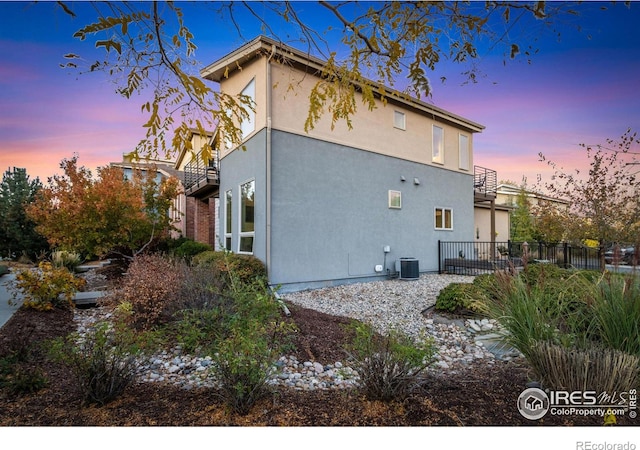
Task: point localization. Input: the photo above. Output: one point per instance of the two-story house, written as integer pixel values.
(331, 206)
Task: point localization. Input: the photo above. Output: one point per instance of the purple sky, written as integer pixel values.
(576, 90)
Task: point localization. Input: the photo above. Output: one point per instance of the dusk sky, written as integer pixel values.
(576, 90)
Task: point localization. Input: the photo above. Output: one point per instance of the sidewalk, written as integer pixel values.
(6, 310)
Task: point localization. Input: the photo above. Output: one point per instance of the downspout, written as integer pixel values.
(268, 161)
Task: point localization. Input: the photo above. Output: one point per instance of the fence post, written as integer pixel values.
(439, 257)
(566, 259)
(509, 249)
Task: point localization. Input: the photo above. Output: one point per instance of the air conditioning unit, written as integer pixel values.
(408, 268)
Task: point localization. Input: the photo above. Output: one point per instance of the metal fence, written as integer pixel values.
(477, 257)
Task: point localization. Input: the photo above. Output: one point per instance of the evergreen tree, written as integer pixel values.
(522, 227)
(17, 231)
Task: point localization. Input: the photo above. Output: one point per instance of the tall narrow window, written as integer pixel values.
(399, 120)
(464, 152)
(228, 219)
(444, 219)
(438, 145)
(247, 222)
(248, 124)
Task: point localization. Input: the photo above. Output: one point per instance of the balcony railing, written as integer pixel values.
(199, 177)
(485, 182)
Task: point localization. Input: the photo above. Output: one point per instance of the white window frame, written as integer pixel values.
(395, 195)
(246, 234)
(399, 120)
(464, 154)
(228, 219)
(443, 212)
(248, 125)
(437, 145)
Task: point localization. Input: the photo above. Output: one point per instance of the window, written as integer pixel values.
(463, 148)
(438, 145)
(444, 219)
(395, 199)
(228, 219)
(247, 223)
(248, 124)
(399, 120)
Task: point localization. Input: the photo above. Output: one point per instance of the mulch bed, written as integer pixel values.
(481, 396)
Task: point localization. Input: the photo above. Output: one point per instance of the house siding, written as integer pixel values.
(330, 210)
(238, 167)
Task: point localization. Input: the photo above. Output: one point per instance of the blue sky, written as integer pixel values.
(576, 90)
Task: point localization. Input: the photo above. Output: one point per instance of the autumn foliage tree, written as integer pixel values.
(604, 201)
(112, 212)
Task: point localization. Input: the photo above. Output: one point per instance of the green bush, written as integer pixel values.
(459, 298)
(232, 268)
(103, 361)
(390, 366)
(569, 327)
(188, 249)
(254, 337)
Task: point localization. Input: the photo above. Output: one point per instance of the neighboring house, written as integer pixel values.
(333, 206)
(507, 194)
(201, 183)
(163, 169)
(482, 220)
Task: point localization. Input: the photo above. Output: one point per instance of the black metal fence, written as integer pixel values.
(476, 257)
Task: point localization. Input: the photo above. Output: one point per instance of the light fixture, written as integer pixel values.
(416, 181)
(403, 179)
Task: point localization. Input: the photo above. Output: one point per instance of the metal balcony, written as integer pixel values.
(485, 184)
(202, 180)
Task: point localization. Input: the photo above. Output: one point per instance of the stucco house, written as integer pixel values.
(332, 206)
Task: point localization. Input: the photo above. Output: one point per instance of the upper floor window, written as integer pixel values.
(463, 149)
(248, 124)
(395, 199)
(399, 120)
(438, 145)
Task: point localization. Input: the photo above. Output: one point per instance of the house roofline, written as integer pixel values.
(233, 61)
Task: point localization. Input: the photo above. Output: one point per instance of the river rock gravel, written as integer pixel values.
(390, 304)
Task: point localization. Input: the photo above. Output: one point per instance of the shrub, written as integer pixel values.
(17, 373)
(42, 288)
(244, 361)
(188, 249)
(572, 369)
(68, 260)
(575, 333)
(103, 361)
(616, 313)
(458, 298)
(233, 268)
(390, 366)
(254, 338)
(152, 287)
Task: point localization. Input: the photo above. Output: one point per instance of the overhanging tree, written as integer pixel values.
(149, 46)
(109, 213)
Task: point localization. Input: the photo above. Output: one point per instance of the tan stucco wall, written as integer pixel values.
(236, 83)
(373, 130)
(482, 221)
